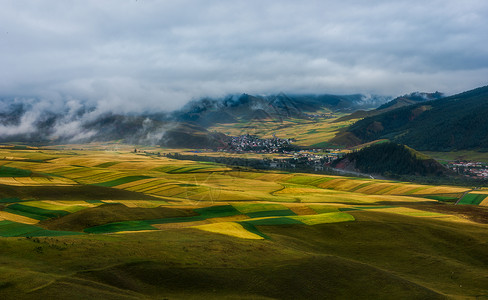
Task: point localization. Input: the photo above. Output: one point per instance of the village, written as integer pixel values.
(477, 170)
(251, 143)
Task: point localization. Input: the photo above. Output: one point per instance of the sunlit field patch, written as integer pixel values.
(246, 208)
(377, 188)
(407, 211)
(299, 190)
(9, 181)
(313, 180)
(441, 190)
(231, 229)
(274, 177)
(483, 191)
(5, 215)
(51, 205)
(143, 184)
(330, 217)
(320, 209)
(404, 189)
(342, 184)
(100, 177)
(137, 183)
(42, 181)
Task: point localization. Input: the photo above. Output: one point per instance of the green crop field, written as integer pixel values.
(330, 217)
(473, 199)
(120, 225)
(13, 172)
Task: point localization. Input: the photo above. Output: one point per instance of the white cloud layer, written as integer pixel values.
(132, 55)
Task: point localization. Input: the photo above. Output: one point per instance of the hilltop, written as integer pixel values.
(390, 160)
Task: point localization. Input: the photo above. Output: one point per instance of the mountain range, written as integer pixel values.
(245, 107)
(457, 122)
(33, 121)
(405, 100)
(423, 121)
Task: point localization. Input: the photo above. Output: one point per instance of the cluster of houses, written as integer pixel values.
(470, 169)
(320, 116)
(251, 143)
(305, 159)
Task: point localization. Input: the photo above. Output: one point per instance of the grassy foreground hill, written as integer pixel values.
(124, 225)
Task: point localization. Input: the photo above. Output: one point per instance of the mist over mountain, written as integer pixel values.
(71, 121)
(409, 99)
(33, 122)
(246, 107)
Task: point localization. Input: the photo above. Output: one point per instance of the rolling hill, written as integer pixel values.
(122, 225)
(391, 160)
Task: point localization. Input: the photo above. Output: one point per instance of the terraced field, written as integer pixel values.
(99, 208)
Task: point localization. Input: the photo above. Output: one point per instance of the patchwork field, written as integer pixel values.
(121, 225)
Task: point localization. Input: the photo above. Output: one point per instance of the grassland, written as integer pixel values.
(123, 225)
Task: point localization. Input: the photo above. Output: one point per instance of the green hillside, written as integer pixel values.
(453, 123)
(390, 159)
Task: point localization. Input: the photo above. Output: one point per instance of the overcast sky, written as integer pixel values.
(160, 54)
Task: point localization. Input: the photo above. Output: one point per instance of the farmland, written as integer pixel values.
(110, 222)
(306, 132)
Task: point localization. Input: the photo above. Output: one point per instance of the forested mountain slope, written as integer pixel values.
(454, 123)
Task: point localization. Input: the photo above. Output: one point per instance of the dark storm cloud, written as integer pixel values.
(135, 55)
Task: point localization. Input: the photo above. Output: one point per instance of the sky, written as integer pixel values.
(133, 55)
